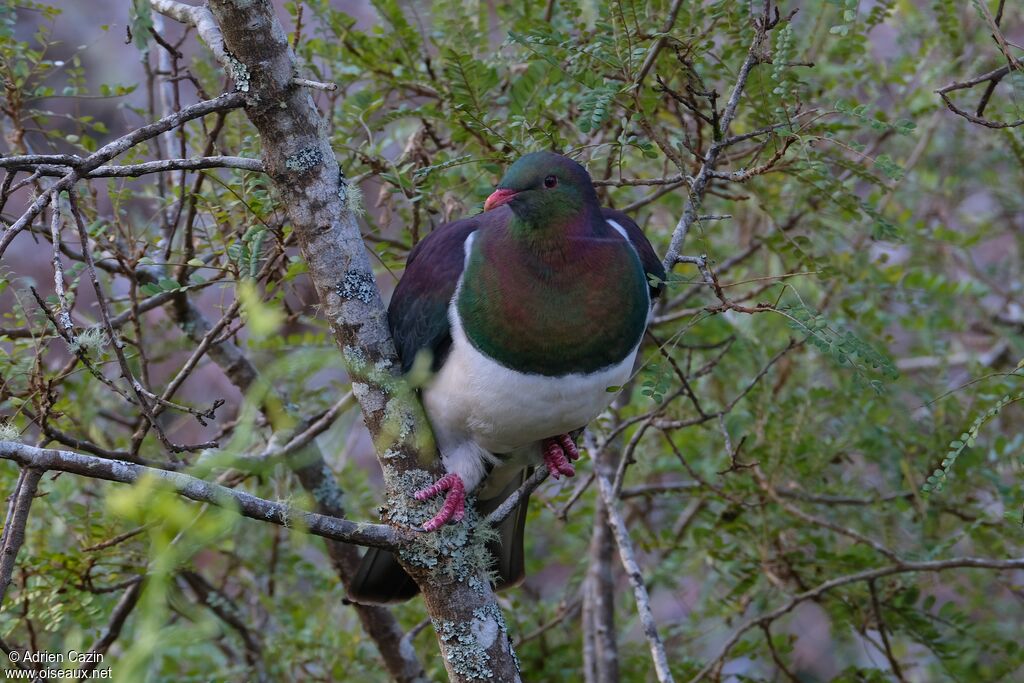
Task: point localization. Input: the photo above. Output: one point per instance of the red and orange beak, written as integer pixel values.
(499, 197)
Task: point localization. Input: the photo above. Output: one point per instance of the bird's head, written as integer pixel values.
(543, 188)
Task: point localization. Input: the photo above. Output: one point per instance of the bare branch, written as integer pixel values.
(59, 167)
(993, 77)
(112, 149)
(14, 525)
(123, 608)
(202, 20)
(316, 85)
(882, 628)
(700, 182)
(636, 580)
(502, 512)
(652, 53)
(117, 344)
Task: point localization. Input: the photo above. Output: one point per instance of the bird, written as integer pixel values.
(531, 314)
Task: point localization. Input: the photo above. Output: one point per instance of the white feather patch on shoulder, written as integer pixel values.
(621, 230)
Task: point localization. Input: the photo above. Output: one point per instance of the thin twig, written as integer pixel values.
(901, 567)
(122, 610)
(700, 182)
(112, 149)
(118, 345)
(636, 580)
(882, 628)
(509, 504)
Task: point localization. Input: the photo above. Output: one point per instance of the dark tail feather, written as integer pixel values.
(381, 580)
(507, 549)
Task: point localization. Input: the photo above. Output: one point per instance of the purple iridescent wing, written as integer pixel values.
(418, 313)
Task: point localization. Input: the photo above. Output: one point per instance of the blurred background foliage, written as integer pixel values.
(886, 232)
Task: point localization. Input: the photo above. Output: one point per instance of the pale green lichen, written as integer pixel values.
(355, 358)
(487, 625)
(358, 284)
(351, 197)
(327, 493)
(239, 73)
(368, 399)
(463, 650)
(9, 432)
(456, 552)
(399, 422)
(91, 339)
(286, 511)
(304, 159)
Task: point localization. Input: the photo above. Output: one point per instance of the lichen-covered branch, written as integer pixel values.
(247, 505)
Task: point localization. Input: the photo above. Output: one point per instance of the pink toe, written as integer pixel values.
(568, 446)
(454, 507)
(555, 460)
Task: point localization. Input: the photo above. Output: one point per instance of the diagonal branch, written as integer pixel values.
(14, 525)
(755, 56)
(636, 580)
(202, 20)
(118, 617)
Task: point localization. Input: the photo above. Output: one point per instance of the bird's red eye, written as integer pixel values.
(550, 181)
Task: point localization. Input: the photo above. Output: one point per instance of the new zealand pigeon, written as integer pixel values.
(530, 311)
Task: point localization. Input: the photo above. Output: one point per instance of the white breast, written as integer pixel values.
(474, 397)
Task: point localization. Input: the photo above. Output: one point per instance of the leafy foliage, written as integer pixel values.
(871, 251)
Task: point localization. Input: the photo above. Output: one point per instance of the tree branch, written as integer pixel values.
(202, 20)
(61, 162)
(112, 149)
(698, 187)
(245, 504)
(636, 580)
(14, 524)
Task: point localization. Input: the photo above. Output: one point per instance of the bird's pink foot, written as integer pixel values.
(558, 451)
(454, 507)
(568, 446)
